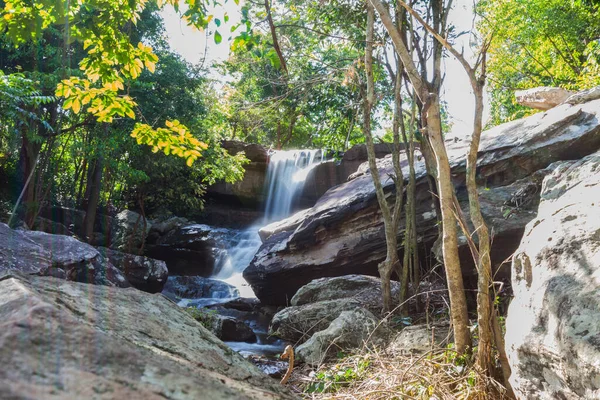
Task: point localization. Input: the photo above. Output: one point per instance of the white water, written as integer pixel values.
(286, 174)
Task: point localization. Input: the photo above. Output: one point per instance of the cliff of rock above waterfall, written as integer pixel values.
(343, 233)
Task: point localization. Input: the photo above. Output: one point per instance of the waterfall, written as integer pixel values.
(286, 174)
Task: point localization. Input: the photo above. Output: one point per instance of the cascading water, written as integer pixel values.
(286, 174)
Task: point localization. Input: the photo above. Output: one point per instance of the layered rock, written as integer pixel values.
(343, 233)
(542, 98)
(351, 330)
(249, 191)
(553, 323)
(141, 272)
(40, 253)
(113, 343)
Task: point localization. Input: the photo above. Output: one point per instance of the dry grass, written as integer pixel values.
(372, 375)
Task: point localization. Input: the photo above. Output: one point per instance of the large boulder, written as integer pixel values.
(553, 323)
(141, 272)
(542, 98)
(191, 250)
(19, 252)
(66, 340)
(197, 287)
(351, 330)
(129, 231)
(298, 323)
(343, 233)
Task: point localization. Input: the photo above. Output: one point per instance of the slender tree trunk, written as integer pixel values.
(93, 199)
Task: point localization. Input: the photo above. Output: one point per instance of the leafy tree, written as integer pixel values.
(539, 43)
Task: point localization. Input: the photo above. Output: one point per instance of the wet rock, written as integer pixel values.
(553, 328)
(275, 369)
(350, 330)
(231, 329)
(191, 250)
(196, 287)
(298, 323)
(113, 344)
(141, 272)
(130, 231)
(343, 233)
(77, 261)
(542, 98)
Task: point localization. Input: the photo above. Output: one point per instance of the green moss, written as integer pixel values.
(205, 317)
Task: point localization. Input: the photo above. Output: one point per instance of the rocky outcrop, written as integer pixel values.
(298, 323)
(553, 323)
(141, 272)
(351, 330)
(39, 253)
(191, 250)
(196, 287)
(343, 233)
(418, 339)
(249, 191)
(584, 96)
(542, 98)
(332, 173)
(66, 340)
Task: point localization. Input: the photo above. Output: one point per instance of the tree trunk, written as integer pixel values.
(93, 190)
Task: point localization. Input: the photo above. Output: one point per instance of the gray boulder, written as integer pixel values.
(66, 340)
(143, 273)
(197, 287)
(542, 98)
(553, 323)
(418, 339)
(298, 323)
(19, 252)
(584, 96)
(362, 288)
(350, 330)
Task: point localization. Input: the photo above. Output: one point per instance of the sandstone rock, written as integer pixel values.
(196, 287)
(192, 249)
(343, 233)
(249, 191)
(168, 225)
(143, 273)
(584, 96)
(129, 232)
(298, 323)
(18, 252)
(542, 98)
(553, 323)
(418, 339)
(77, 261)
(65, 340)
(362, 288)
(351, 330)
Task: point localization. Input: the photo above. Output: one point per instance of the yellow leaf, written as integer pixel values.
(150, 66)
(189, 161)
(130, 114)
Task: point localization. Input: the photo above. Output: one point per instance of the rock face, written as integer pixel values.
(553, 324)
(39, 253)
(249, 191)
(351, 330)
(65, 340)
(332, 173)
(142, 272)
(196, 287)
(343, 233)
(190, 250)
(542, 98)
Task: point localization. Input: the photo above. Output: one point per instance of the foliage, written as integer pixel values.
(539, 43)
(205, 317)
(331, 379)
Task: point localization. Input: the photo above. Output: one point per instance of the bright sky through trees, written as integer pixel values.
(195, 48)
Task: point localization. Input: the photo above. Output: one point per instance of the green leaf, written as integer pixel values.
(218, 37)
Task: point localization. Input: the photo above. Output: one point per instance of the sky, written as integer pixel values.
(199, 47)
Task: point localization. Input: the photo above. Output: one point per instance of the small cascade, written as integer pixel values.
(286, 174)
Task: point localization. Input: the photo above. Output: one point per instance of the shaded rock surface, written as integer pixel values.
(129, 231)
(196, 287)
(298, 323)
(350, 330)
(553, 323)
(420, 338)
(40, 253)
(232, 329)
(65, 340)
(143, 273)
(191, 250)
(343, 233)
(542, 98)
